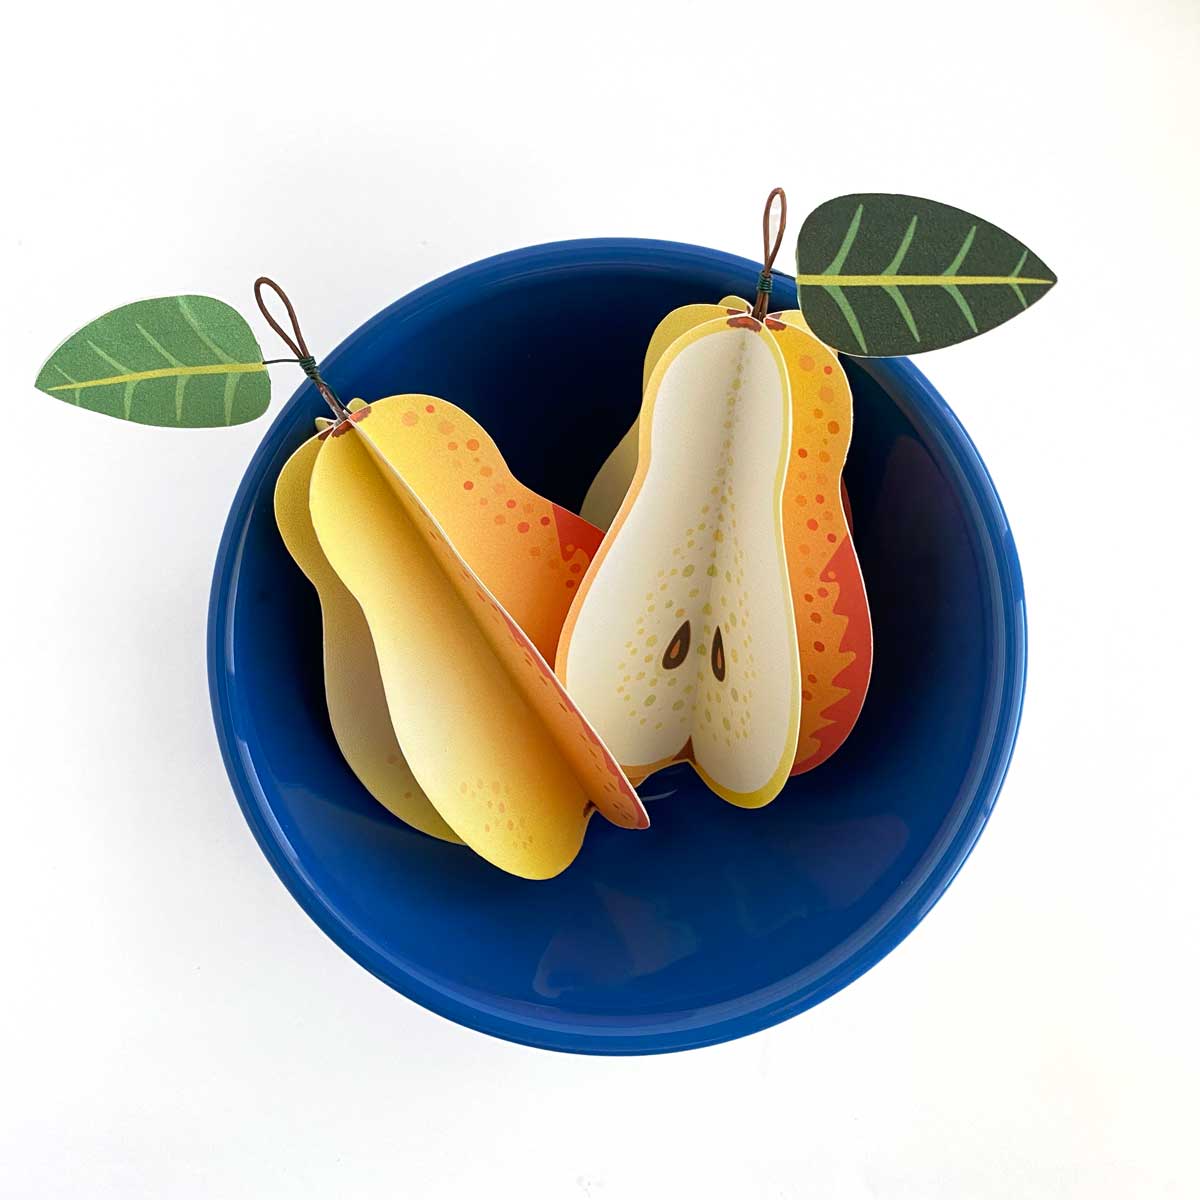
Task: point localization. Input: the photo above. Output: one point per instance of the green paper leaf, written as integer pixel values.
(882, 275)
(188, 361)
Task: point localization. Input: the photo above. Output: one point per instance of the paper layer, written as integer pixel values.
(497, 746)
(682, 643)
(358, 709)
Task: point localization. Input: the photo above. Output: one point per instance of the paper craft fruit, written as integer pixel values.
(682, 641)
(499, 749)
(728, 570)
(358, 711)
(828, 594)
(833, 618)
(440, 448)
(530, 552)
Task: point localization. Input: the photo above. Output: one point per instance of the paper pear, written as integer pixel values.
(828, 593)
(496, 744)
(530, 552)
(354, 693)
(833, 619)
(681, 644)
(531, 562)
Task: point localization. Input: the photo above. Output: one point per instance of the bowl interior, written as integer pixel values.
(715, 921)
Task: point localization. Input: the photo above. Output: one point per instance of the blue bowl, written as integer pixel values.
(715, 922)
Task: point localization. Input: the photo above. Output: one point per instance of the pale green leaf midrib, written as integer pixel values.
(883, 280)
(230, 368)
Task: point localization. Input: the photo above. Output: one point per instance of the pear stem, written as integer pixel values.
(770, 250)
(297, 345)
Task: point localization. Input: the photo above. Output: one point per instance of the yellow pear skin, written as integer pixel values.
(497, 747)
(358, 711)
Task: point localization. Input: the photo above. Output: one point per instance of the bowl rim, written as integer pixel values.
(906, 385)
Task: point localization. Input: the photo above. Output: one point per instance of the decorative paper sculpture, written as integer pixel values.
(829, 598)
(682, 643)
(721, 620)
(498, 746)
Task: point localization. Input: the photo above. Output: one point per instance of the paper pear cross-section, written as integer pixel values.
(682, 642)
(829, 596)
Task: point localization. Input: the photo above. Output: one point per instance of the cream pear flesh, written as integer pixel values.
(682, 643)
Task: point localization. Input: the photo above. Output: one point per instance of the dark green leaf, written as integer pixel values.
(188, 361)
(883, 275)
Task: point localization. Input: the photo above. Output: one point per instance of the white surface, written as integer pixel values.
(171, 1024)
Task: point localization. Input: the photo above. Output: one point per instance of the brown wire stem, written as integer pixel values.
(770, 250)
(296, 344)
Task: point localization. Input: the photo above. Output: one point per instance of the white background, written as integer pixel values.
(171, 1024)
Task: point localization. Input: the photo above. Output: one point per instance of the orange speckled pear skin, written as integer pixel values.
(828, 592)
(530, 552)
(681, 644)
(496, 744)
(829, 596)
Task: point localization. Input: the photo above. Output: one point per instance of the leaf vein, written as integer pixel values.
(108, 358)
(963, 306)
(162, 373)
(905, 311)
(952, 269)
(839, 259)
(191, 320)
(157, 345)
(848, 312)
(905, 242)
(231, 382)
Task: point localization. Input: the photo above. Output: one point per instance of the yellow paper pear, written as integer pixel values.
(682, 641)
(498, 747)
(358, 710)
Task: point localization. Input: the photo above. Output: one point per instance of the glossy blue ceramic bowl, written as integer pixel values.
(715, 922)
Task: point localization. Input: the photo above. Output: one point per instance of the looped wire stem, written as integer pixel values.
(770, 250)
(296, 343)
